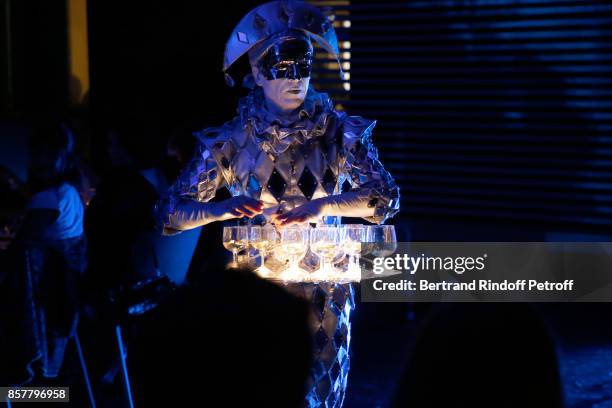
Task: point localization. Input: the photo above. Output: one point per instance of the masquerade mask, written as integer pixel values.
(290, 59)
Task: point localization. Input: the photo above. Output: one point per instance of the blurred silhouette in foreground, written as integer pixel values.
(482, 355)
(234, 340)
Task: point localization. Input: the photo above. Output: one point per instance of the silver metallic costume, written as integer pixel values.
(313, 153)
(316, 153)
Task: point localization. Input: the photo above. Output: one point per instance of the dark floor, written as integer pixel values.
(582, 333)
(383, 336)
(380, 349)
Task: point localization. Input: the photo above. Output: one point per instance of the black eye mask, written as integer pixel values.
(290, 59)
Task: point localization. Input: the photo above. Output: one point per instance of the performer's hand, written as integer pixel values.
(304, 213)
(238, 207)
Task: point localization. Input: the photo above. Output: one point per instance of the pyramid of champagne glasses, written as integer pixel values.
(279, 254)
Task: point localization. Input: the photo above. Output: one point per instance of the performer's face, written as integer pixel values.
(284, 73)
(285, 94)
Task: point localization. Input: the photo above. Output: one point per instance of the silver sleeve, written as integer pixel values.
(182, 207)
(368, 177)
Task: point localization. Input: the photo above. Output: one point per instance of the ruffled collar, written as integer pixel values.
(275, 134)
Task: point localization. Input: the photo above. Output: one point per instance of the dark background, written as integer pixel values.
(494, 116)
(489, 110)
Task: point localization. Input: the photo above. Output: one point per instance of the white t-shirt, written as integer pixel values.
(66, 200)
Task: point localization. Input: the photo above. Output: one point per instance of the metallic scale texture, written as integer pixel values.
(285, 162)
(331, 306)
(317, 153)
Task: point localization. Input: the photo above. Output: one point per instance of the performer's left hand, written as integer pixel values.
(299, 215)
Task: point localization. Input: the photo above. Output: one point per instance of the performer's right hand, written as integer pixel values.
(238, 207)
(190, 214)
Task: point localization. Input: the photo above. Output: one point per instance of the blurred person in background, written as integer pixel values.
(41, 286)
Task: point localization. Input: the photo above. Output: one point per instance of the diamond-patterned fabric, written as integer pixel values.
(331, 306)
(294, 160)
(329, 181)
(286, 163)
(276, 185)
(307, 183)
(253, 187)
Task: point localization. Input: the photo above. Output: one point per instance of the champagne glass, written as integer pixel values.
(235, 239)
(352, 238)
(292, 248)
(263, 239)
(324, 242)
(381, 240)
